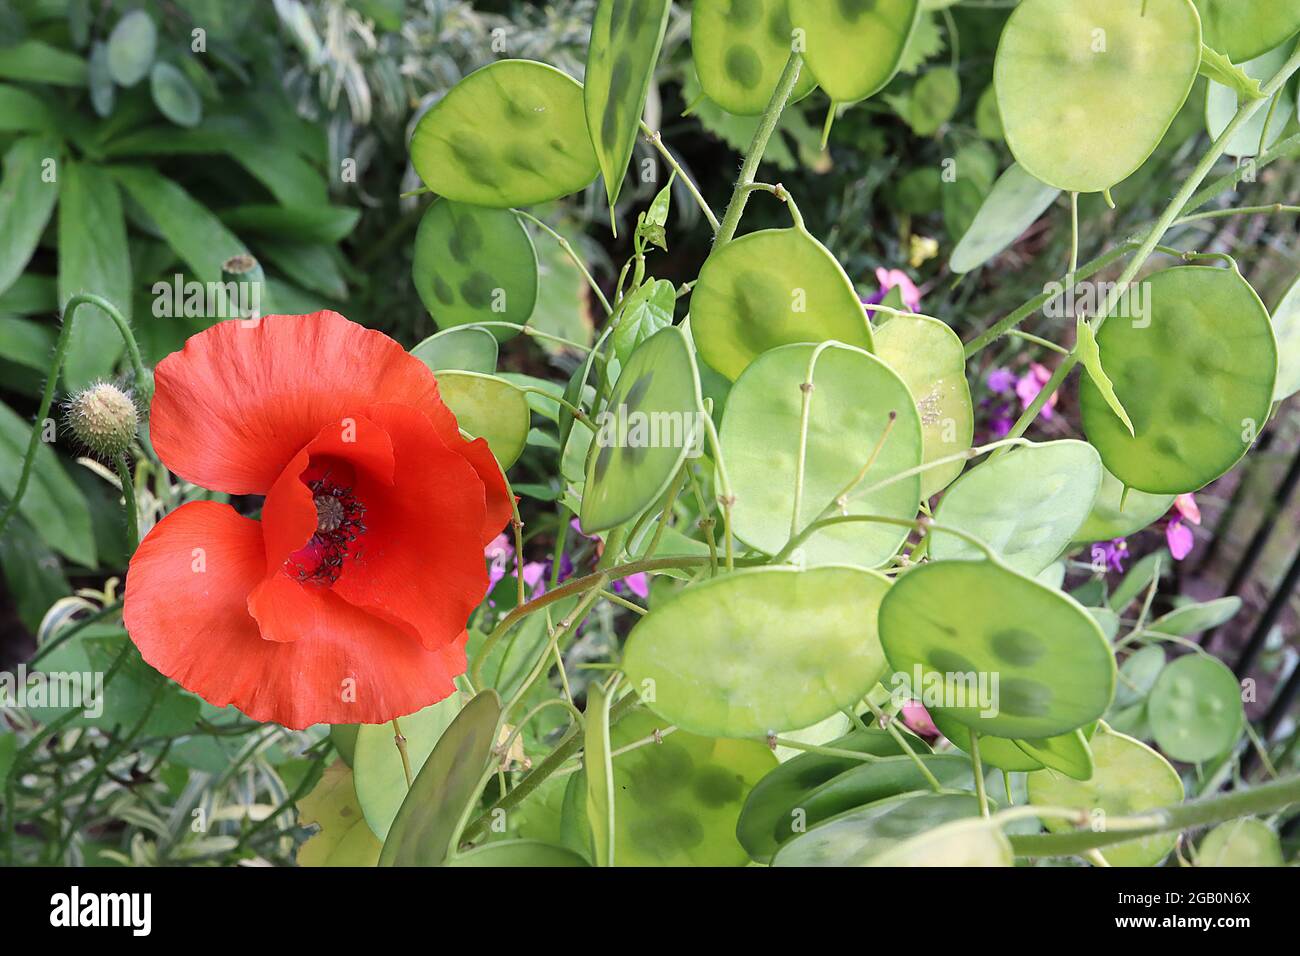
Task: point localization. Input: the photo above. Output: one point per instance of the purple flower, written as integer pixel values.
(1180, 539)
(638, 584)
(1110, 554)
(1000, 380)
(499, 554)
(890, 278)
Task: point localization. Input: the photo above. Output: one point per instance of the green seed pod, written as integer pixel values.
(244, 287)
(104, 418)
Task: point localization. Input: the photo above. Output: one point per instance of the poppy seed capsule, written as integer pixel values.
(104, 418)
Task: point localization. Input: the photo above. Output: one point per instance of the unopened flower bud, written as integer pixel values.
(104, 418)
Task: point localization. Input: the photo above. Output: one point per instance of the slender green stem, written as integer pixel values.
(142, 384)
(572, 254)
(1257, 801)
(532, 332)
(775, 741)
(727, 498)
(1074, 239)
(754, 155)
(1276, 207)
(977, 769)
(399, 739)
(128, 499)
(891, 727)
(554, 760)
(656, 140)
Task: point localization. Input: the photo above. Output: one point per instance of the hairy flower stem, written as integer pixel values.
(1258, 801)
(129, 503)
(754, 155)
(400, 739)
(47, 397)
(1152, 239)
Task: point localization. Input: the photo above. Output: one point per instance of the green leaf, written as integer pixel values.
(24, 112)
(8, 751)
(1217, 67)
(27, 197)
(32, 61)
(131, 48)
(1221, 105)
(1090, 356)
(198, 237)
(297, 223)
(52, 504)
(421, 834)
(642, 314)
(1014, 204)
(1195, 618)
(93, 257)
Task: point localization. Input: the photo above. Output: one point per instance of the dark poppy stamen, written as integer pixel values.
(339, 523)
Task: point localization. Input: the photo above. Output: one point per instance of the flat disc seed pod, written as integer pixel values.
(1087, 88)
(1195, 709)
(513, 133)
(676, 803)
(625, 41)
(740, 49)
(1243, 29)
(854, 47)
(856, 837)
(771, 288)
(490, 408)
(850, 404)
(1117, 515)
(754, 651)
(650, 425)
(1027, 505)
(475, 264)
(928, 357)
(951, 619)
(1195, 373)
(1128, 778)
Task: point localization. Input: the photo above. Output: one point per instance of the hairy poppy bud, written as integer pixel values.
(104, 418)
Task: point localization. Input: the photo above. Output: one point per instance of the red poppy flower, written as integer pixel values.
(347, 602)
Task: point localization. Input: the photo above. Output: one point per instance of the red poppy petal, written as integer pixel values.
(477, 453)
(186, 609)
(242, 398)
(289, 514)
(421, 559)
